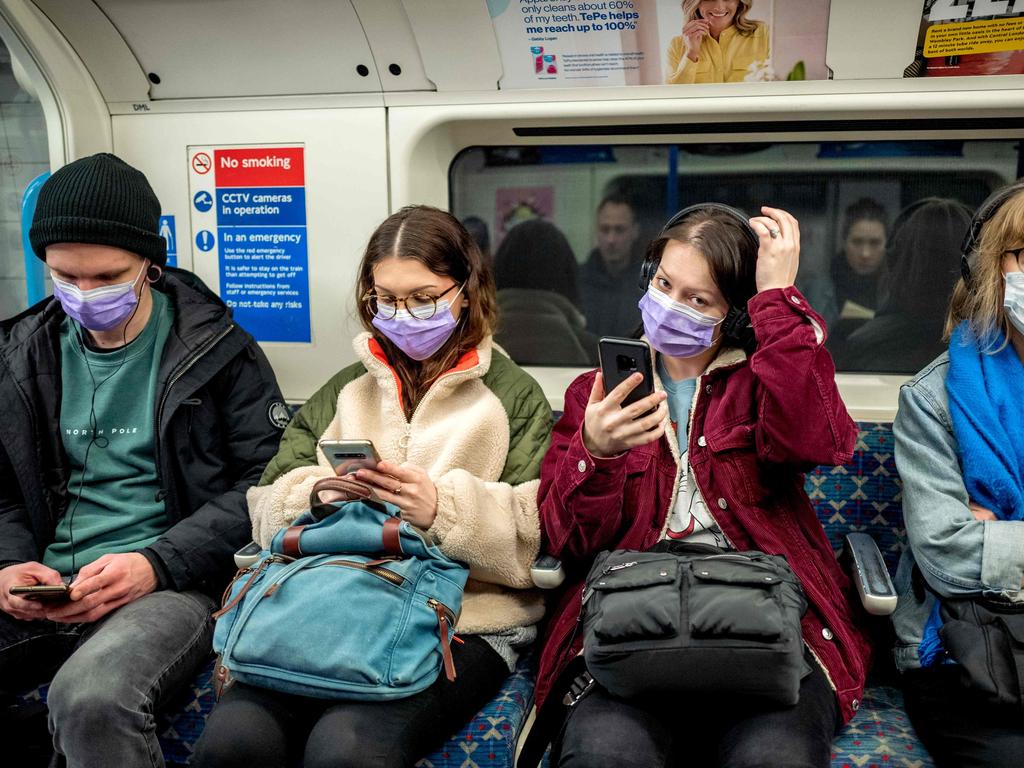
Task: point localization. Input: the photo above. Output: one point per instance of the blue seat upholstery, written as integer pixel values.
(864, 495)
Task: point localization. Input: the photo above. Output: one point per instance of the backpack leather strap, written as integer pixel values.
(290, 543)
(392, 536)
(326, 484)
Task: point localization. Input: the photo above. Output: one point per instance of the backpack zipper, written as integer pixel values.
(445, 621)
(388, 575)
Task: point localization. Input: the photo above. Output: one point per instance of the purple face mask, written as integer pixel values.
(417, 338)
(675, 329)
(98, 309)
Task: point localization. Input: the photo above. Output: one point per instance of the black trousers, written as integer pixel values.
(257, 727)
(602, 730)
(957, 729)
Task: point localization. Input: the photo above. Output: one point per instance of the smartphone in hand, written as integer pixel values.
(620, 359)
(347, 456)
(43, 593)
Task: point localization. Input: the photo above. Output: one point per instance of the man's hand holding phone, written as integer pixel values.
(610, 429)
(25, 575)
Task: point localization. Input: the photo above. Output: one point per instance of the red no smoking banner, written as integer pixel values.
(259, 167)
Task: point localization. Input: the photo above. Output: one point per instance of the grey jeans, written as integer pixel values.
(109, 678)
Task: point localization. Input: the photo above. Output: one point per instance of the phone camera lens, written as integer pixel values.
(626, 363)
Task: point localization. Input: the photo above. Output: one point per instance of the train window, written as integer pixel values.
(24, 154)
(881, 223)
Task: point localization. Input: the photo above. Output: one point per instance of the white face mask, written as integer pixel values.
(1013, 299)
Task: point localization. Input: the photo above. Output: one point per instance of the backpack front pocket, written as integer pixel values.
(637, 600)
(733, 596)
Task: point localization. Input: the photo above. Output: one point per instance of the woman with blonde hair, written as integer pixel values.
(959, 454)
(718, 44)
(461, 430)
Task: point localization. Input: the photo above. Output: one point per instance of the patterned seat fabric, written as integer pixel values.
(864, 495)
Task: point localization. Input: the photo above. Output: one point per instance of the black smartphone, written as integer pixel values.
(43, 593)
(620, 359)
(346, 456)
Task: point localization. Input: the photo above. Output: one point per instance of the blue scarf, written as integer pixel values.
(986, 406)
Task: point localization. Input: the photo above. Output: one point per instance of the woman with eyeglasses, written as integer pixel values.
(461, 431)
(959, 454)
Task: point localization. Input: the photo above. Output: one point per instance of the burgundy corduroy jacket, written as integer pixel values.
(758, 424)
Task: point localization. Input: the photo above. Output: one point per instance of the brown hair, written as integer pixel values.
(745, 26)
(980, 301)
(725, 243)
(437, 240)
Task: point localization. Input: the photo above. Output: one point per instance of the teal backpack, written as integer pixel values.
(359, 605)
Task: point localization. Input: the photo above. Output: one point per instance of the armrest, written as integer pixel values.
(248, 555)
(870, 575)
(547, 572)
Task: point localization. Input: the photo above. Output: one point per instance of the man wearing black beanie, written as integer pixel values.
(135, 416)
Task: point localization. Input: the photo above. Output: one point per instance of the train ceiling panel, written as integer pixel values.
(198, 48)
(138, 50)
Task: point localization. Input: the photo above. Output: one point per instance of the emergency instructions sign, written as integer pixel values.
(248, 207)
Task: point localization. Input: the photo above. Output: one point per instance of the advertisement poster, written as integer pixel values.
(573, 43)
(514, 205)
(969, 37)
(248, 207)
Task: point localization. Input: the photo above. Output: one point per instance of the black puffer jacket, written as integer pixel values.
(219, 417)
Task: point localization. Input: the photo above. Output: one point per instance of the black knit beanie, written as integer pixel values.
(102, 200)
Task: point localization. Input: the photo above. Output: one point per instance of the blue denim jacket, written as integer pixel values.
(956, 554)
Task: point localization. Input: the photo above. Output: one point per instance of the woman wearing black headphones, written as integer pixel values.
(960, 618)
(745, 402)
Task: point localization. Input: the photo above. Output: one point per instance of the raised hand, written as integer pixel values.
(778, 255)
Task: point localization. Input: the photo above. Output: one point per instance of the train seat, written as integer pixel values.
(862, 496)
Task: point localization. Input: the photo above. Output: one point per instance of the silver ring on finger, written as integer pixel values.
(398, 490)
(773, 233)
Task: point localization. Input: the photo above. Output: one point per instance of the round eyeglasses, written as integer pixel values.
(421, 306)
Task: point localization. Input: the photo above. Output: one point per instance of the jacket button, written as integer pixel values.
(582, 466)
(722, 503)
(855, 704)
(827, 633)
(701, 441)
(796, 299)
(708, 389)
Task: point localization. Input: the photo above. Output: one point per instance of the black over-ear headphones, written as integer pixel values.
(985, 212)
(736, 325)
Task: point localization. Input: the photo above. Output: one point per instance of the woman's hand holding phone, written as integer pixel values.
(610, 429)
(406, 486)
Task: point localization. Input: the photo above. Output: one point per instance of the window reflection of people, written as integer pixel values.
(480, 233)
(607, 279)
(541, 324)
(851, 291)
(924, 258)
(718, 44)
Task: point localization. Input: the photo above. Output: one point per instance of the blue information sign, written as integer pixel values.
(170, 234)
(257, 204)
(205, 240)
(203, 201)
(263, 278)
